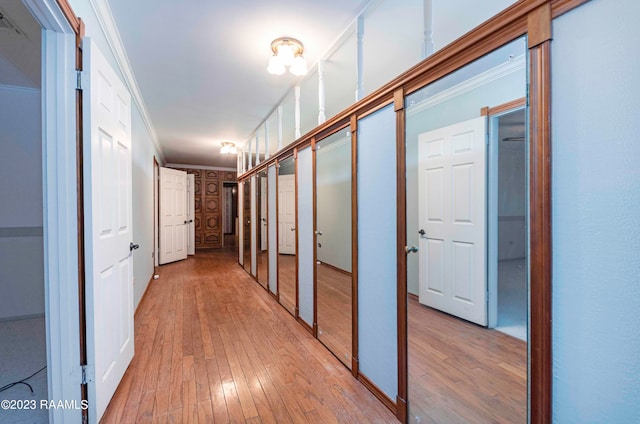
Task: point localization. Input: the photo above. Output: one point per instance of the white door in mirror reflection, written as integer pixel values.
(287, 214)
(263, 214)
(452, 212)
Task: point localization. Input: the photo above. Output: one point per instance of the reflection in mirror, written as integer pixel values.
(287, 234)
(261, 236)
(466, 213)
(246, 225)
(333, 244)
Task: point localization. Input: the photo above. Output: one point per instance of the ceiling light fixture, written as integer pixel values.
(287, 53)
(228, 148)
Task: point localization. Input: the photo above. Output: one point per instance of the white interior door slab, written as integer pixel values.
(452, 217)
(173, 215)
(287, 214)
(108, 233)
(191, 204)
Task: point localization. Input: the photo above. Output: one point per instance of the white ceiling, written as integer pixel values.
(201, 64)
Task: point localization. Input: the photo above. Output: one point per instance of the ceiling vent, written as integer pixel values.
(7, 26)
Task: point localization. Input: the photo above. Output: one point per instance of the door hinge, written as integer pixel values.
(81, 80)
(87, 374)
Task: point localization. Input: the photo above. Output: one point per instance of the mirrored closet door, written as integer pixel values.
(246, 225)
(262, 242)
(287, 234)
(334, 281)
(466, 176)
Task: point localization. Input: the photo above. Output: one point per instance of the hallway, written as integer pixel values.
(213, 346)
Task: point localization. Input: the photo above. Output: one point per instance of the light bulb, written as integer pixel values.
(285, 53)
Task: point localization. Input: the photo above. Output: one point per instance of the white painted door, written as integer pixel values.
(263, 213)
(287, 214)
(191, 204)
(452, 212)
(108, 233)
(173, 215)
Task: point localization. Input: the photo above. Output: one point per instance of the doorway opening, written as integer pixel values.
(23, 346)
(508, 241)
(230, 214)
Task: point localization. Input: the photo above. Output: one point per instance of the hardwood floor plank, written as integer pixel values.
(205, 413)
(145, 410)
(189, 403)
(161, 402)
(242, 385)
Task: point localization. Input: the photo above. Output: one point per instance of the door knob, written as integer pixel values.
(319, 233)
(421, 232)
(411, 249)
(293, 228)
(133, 247)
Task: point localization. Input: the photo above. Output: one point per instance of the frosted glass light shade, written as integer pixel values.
(287, 53)
(276, 67)
(299, 66)
(228, 148)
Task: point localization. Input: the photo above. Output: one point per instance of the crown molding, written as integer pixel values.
(208, 168)
(112, 35)
(484, 78)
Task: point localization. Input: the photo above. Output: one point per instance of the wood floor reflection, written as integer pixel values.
(287, 282)
(262, 261)
(334, 311)
(458, 372)
(462, 373)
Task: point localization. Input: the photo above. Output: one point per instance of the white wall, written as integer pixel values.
(454, 18)
(21, 243)
(142, 153)
(143, 150)
(596, 214)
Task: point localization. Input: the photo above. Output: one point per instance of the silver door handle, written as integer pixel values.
(293, 228)
(319, 233)
(422, 233)
(411, 249)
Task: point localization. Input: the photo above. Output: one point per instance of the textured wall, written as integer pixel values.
(596, 214)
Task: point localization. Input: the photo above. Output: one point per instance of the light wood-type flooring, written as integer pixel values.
(212, 346)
